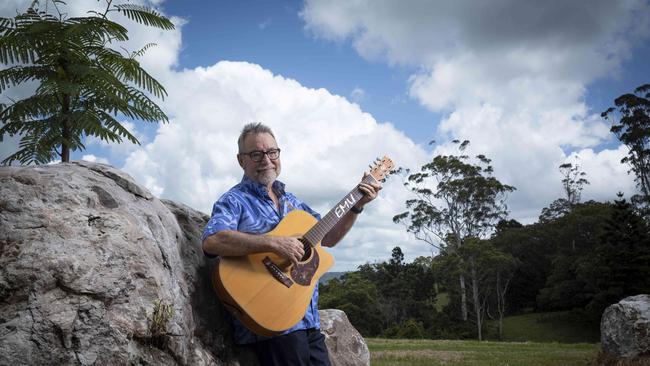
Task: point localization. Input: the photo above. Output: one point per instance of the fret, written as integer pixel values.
(327, 222)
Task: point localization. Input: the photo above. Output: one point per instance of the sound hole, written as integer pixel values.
(307, 247)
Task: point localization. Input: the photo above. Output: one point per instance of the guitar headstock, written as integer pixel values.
(381, 168)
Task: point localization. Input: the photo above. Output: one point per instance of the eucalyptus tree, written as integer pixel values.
(489, 271)
(573, 182)
(83, 83)
(455, 199)
(631, 117)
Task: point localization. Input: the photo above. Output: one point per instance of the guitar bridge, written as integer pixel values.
(276, 272)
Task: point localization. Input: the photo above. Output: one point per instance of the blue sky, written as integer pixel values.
(272, 35)
(342, 82)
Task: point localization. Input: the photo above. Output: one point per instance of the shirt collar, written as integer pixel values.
(259, 188)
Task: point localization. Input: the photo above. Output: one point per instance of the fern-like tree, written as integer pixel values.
(83, 84)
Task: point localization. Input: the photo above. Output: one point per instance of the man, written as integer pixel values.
(254, 207)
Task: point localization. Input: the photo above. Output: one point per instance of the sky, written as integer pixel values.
(342, 82)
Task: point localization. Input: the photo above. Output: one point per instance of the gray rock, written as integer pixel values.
(625, 327)
(344, 343)
(85, 253)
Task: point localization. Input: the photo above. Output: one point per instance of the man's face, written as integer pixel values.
(266, 171)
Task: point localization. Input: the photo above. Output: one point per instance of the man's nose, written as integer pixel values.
(266, 158)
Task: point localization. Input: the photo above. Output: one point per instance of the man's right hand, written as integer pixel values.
(288, 247)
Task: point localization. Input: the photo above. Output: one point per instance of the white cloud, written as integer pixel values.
(357, 95)
(509, 75)
(94, 159)
(602, 164)
(327, 142)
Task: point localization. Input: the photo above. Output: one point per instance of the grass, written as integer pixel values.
(401, 352)
(559, 327)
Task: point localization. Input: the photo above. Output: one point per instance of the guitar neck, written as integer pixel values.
(318, 231)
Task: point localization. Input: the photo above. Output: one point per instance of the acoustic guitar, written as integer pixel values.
(269, 294)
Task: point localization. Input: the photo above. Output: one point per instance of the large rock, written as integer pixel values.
(625, 328)
(344, 343)
(85, 255)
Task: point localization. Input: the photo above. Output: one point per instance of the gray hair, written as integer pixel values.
(252, 128)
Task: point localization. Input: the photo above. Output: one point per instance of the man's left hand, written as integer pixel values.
(370, 192)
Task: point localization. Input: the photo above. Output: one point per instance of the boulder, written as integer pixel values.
(625, 328)
(344, 343)
(86, 256)
(95, 270)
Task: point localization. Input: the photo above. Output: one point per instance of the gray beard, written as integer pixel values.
(268, 178)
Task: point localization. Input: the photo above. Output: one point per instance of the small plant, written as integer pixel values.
(162, 314)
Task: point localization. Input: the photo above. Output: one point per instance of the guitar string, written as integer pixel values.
(328, 221)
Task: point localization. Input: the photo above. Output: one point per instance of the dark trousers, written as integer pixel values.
(299, 348)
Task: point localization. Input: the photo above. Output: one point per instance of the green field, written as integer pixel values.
(559, 327)
(402, 352)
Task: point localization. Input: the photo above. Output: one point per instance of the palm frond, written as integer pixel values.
(116, 128)
(15, 115)
(36, 144)
(144, 15)
(142, 51)
(14, 50)
(6, 24)
(17, 75)
(96, 28)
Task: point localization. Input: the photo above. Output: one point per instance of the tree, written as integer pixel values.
(396, 261)
(619, 265)
(631, 116)
(571, 239)
(573, 182)
(489, 271)
(505, 225)
(390, 299)
(532, 250)
(407, 289)
(455, 200)
(83, 84)
(358, 297)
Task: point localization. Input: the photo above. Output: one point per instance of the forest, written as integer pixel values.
(578, 257)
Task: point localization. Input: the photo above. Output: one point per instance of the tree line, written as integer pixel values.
(581, 261)
(579, 256)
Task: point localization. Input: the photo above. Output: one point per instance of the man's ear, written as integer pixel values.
(240, 160)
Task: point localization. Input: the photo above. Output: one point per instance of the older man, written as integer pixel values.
(254, 207)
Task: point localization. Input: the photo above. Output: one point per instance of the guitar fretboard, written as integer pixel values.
(318, 231)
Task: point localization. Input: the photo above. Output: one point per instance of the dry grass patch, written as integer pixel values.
(423, 354)
(403, 352)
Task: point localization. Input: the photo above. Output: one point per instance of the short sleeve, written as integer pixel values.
(302, 206)
(225, 216)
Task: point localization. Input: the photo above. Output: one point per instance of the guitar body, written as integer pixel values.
(269, 303)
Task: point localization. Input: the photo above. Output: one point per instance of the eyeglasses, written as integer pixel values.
(258, 155)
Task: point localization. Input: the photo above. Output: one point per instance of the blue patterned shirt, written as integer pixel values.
(247, 207)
